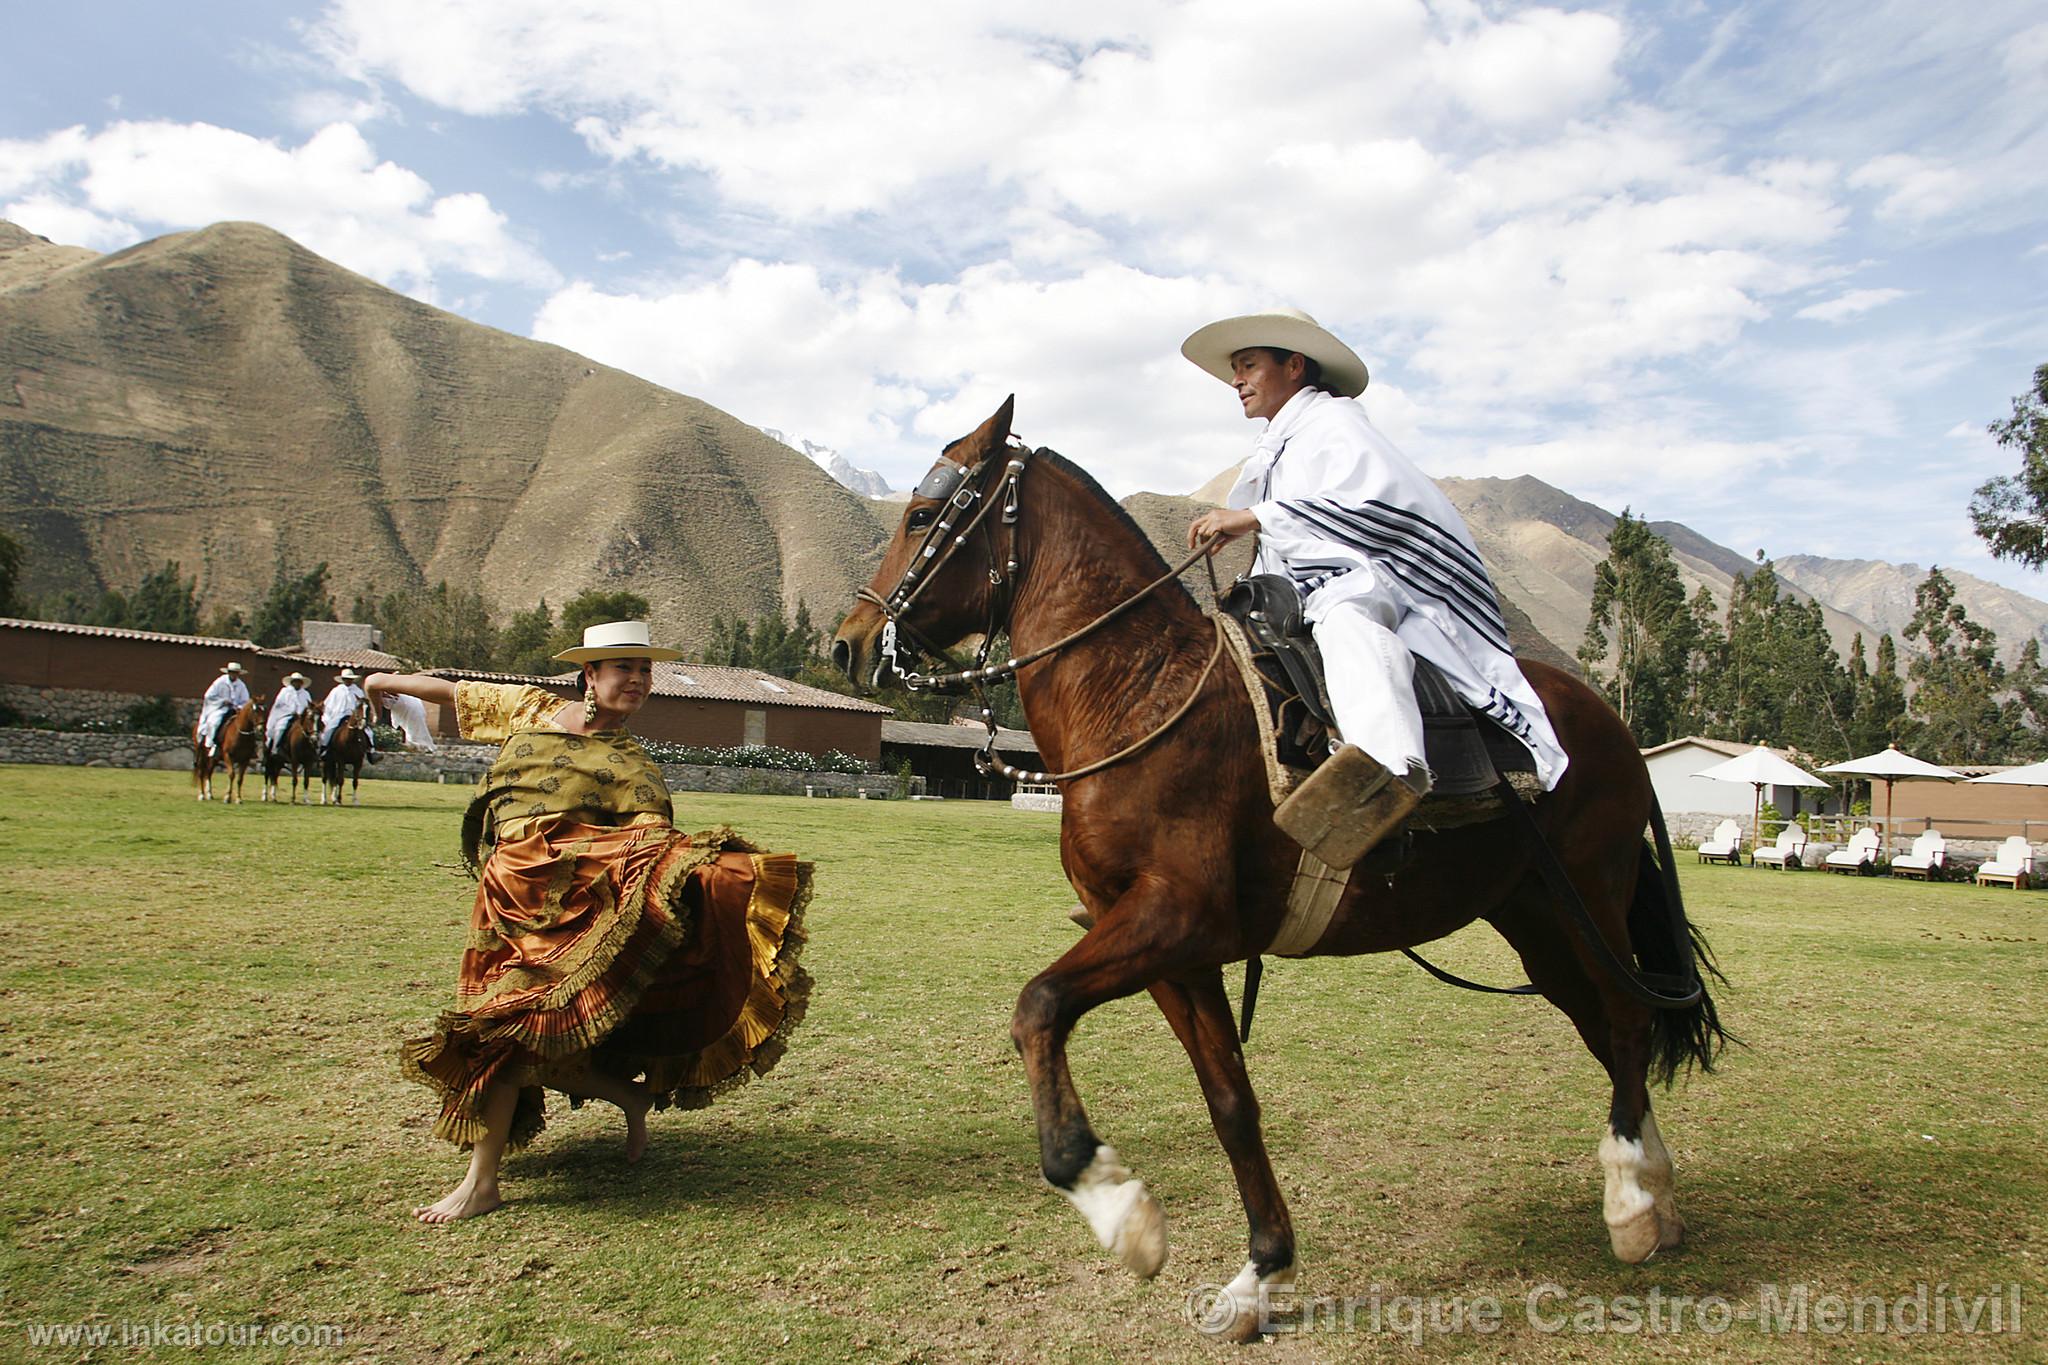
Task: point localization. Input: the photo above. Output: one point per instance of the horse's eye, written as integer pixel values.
(921, 517)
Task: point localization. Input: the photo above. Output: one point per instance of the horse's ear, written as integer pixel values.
(991, 435)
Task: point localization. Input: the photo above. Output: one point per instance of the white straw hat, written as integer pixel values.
(1283, 329)
(350, 675)
(296, 676)
(231, 667)
(617, 640)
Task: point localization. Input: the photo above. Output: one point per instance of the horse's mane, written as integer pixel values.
(1155, 562)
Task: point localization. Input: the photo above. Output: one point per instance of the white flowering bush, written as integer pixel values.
(753, 756)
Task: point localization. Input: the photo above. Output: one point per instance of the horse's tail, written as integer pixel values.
(1666, 941)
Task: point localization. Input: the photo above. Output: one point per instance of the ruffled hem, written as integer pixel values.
(469, 1053)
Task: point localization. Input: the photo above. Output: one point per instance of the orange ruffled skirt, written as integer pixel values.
(635, 950)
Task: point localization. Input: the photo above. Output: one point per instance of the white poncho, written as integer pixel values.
(291, 701)
(1337, 504)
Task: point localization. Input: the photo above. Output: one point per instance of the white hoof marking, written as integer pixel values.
(1246, 1305)
(1124, 1217)
(1642, 1218)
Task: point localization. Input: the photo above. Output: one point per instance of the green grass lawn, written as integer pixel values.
(203, 1122)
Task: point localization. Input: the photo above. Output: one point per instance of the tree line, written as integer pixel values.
(1764, 668)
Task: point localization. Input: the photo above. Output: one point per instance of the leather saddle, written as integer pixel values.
(1467, 753)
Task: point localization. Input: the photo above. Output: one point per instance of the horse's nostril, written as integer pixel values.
(842, 657)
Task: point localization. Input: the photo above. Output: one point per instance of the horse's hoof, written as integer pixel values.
(1121, 1212)
(1240, 1311)
(1141, 1241)
(1636, 1239)
(1670, 1229)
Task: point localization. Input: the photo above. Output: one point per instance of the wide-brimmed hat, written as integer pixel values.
(349, 675)
(231, 667)
(1283, 329)
(296, 677)
(616, 640)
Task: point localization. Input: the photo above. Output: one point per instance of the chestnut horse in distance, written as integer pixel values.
(235, 752)
(1174, 853)
(344, 759)
(297, 749)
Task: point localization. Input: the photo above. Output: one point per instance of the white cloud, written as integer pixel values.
(330, 193)
(316, 109)
(1851, 304)
(1540, 65)
(889, 371)
(2026, 57)
(48, 216)
(1914, 187)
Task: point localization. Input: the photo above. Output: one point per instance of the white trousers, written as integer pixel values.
(1370, 673)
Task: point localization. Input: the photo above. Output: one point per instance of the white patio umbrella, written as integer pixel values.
(2033, 775)
(1892, 765)
(1761, 768)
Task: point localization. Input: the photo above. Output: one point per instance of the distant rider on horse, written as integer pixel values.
(345, 699)
(293, 698)
(1384, 563)
(226, 695)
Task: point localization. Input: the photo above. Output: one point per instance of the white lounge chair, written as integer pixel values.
(1787, 854)
(1858, 855)
(2012, 865)
(1927, 858)
(1724, 845)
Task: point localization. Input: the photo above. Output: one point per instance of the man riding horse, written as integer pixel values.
(344, 699)
(292, 698)
(1385, 565)
(226, 695)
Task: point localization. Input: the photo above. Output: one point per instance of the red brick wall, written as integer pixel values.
(57, 660)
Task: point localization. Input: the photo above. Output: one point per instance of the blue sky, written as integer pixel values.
(1766, 269)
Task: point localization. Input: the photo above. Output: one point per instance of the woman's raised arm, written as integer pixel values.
(440, 691)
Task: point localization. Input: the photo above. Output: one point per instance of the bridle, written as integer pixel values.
(959, 491)
(965, 501)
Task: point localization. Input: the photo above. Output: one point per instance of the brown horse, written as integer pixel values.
(1175, 856)
(235, 751)
(344, 759)
(297, 749)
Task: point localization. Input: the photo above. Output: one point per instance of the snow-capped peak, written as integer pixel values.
(865, 482)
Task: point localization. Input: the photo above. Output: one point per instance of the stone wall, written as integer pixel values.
(94, 750)
(452, 763)
(78, 706)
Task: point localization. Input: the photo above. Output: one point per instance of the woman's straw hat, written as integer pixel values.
(616, 640)
(1283, 329)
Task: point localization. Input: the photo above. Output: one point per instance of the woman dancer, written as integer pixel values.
(609, 956)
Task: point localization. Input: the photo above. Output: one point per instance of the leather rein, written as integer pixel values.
(960, 494)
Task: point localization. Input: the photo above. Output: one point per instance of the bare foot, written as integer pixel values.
(636, 1125)
(464, 1201)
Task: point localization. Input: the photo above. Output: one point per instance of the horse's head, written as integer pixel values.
(946, 568)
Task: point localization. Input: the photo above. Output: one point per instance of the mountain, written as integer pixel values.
(28, 259)
(1882, 594)
(865, 482)
(227, 399)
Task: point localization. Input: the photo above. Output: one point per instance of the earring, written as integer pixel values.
(590, 708)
